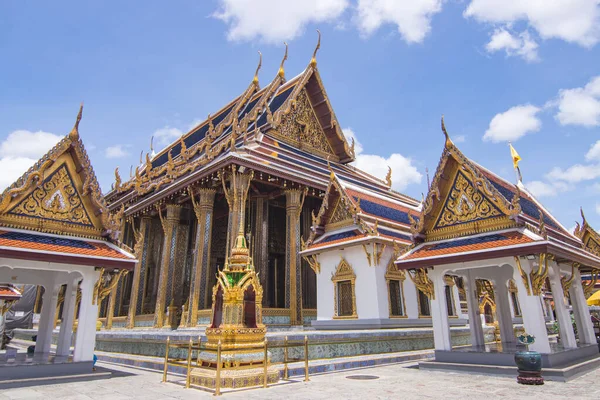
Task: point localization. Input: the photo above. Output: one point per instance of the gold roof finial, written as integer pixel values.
(313, 60)
(444, 128)
(281, 69)
(151, 144)
(255, 80)
(141, 157)
(388, 177)
(74, 134)
(582, 215)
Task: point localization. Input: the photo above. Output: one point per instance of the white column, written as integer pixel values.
(86, 328)
(439, 312)
(565, 327)
(503, 312)
(68, 315)
(531, 310)
(475, 328)
(46, 325)
(581, 311)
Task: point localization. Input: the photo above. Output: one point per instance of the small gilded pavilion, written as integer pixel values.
(56, 232)
(476, 225)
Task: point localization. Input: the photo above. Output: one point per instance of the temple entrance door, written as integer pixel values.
(276, 291)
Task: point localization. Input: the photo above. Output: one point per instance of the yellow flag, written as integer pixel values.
(515, 156)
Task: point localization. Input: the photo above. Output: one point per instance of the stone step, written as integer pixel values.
(563, 374)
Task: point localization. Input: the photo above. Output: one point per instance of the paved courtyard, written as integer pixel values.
(395, 381)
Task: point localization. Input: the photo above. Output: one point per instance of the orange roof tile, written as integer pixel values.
(58, 244)
(485, 242)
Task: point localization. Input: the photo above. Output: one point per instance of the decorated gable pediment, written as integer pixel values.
(56, 199)
(301, 128)
(464, 204)
(59, 194)
(462, 201)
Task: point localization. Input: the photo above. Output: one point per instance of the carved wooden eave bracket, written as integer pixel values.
(105, 284)
(422, 282)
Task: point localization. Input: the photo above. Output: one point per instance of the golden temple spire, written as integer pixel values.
(281, 69)
(255, 80)
(74, 134)
(313, 60)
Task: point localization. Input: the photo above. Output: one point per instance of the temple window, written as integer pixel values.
(513, 292)
(449, 293)
(450, 302)
(424, 307)
(395, 281)
(344, 291)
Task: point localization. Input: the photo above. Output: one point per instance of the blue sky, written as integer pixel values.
(500, 69)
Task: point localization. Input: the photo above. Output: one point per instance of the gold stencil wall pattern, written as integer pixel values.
(56, 199)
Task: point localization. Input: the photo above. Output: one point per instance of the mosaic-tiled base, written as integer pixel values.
(233, 378)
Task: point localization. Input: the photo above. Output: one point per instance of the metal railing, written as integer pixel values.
(191, 362)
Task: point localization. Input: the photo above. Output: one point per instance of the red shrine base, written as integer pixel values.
(530, 377)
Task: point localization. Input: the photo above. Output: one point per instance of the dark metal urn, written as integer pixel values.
(529, 363)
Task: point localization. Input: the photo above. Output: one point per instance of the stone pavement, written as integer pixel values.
(395, 381)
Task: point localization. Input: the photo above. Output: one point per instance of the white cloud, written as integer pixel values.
(274, 21)
(574, 174)
(598, 208)
(116, 151)
(459, 139)
(411, 17)
(521, 45)
(166, 135)
(546, 189)
(403, 171)
(20, 150)
(513, 123)
(574, 21)
(33, 145)
(594, 152)
(580, 106)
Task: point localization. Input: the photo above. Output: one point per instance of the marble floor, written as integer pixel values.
(392, 382)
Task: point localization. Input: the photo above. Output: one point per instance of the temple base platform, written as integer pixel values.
(498, 359)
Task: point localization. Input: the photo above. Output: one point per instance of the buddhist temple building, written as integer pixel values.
(56, 232)
(477, 226)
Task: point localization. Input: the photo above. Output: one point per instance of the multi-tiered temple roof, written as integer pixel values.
(471, 214)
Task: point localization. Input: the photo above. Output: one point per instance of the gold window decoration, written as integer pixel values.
(395, 282)
(344, 300)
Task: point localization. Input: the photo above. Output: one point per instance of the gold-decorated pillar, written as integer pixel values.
(293, 273)
(261, 242)
(110, 310)
(165, 281)
(203, 208)
(141, 253)
(236, 196)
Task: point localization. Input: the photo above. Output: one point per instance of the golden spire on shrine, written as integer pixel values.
(313, 60)
(285, 56)
(74, 134)
(255, 80)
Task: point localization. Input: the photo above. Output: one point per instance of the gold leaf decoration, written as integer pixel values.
(56, 199)
(465, 204)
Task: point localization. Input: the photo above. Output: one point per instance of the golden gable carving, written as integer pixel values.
(56, 199)
(465, 204)
(302, 129)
